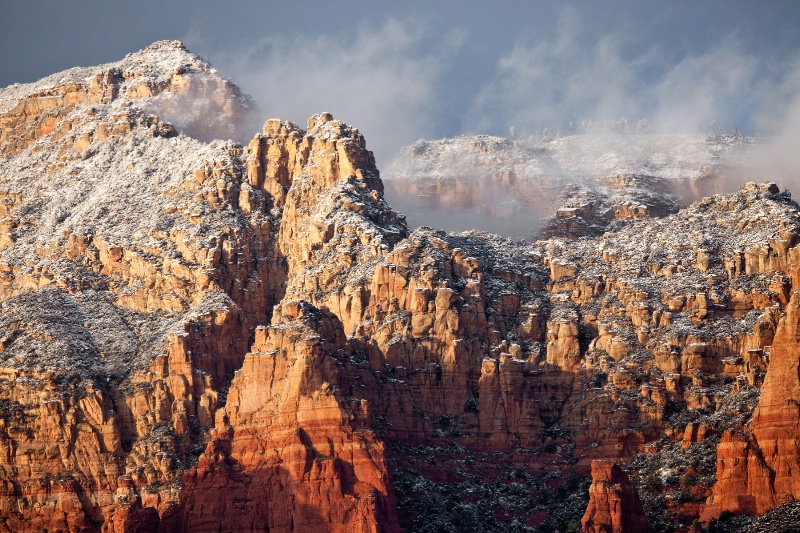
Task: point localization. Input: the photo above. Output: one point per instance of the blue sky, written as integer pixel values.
(405, 70)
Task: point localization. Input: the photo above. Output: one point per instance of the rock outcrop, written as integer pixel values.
(756, 470)
(614, 506)
(163, 308)
(205, 336)
(289, 446)
(599, 180)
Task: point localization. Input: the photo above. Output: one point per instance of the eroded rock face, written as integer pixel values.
(204, 336)
(290, 443)
(127, 284)
(757, 470)
(125, 319)
(614, 506)
(163, 80)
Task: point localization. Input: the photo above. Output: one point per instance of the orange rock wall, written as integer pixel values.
(304, 332)
(614, 506)
(756, 470)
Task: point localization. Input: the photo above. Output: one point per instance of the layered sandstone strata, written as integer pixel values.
(208, 336)
(289, 449)
(132, 295)
(599, 180)
(756, 469)
(614, 506)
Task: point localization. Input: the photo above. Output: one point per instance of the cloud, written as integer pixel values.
(581, 76)
(715, 86)
(405, 79)
(547, 84)
(776, 158)
(381, 79)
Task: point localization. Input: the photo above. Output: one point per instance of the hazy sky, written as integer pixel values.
(404, 70)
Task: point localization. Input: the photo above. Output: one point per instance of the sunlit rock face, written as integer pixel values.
(756, 470)
(138, 264)
(213, 336)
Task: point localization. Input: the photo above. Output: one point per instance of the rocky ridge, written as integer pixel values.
(600, 181)
(205, 336)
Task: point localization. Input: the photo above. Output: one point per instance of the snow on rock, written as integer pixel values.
(187, 325)
(164, 79)
(510, 186)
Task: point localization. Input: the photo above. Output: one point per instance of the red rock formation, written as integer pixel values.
(114, 456)
(449, 182)
(758, 471)
(288, 447)
(200, 336)
(614, 506)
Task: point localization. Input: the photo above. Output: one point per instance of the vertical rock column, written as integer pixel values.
(758, 472)
(614, 506)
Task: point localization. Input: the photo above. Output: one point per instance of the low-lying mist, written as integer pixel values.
(521, 187)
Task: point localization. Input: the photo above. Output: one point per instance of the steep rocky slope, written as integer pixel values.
(756, 471)
(205, 336)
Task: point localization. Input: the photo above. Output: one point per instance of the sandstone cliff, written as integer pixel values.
(206, 336)
(614, 506)
(756, 469)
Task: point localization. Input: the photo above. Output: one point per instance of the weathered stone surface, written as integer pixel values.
(597, 182)
(289, 443)
(757, 471)
(614, 506)
(204, 336)
(176, 300)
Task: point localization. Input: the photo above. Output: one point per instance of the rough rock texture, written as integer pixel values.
(289, 442)
(614, 506)
(205, 336)
(757, 470)
(137, 264)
